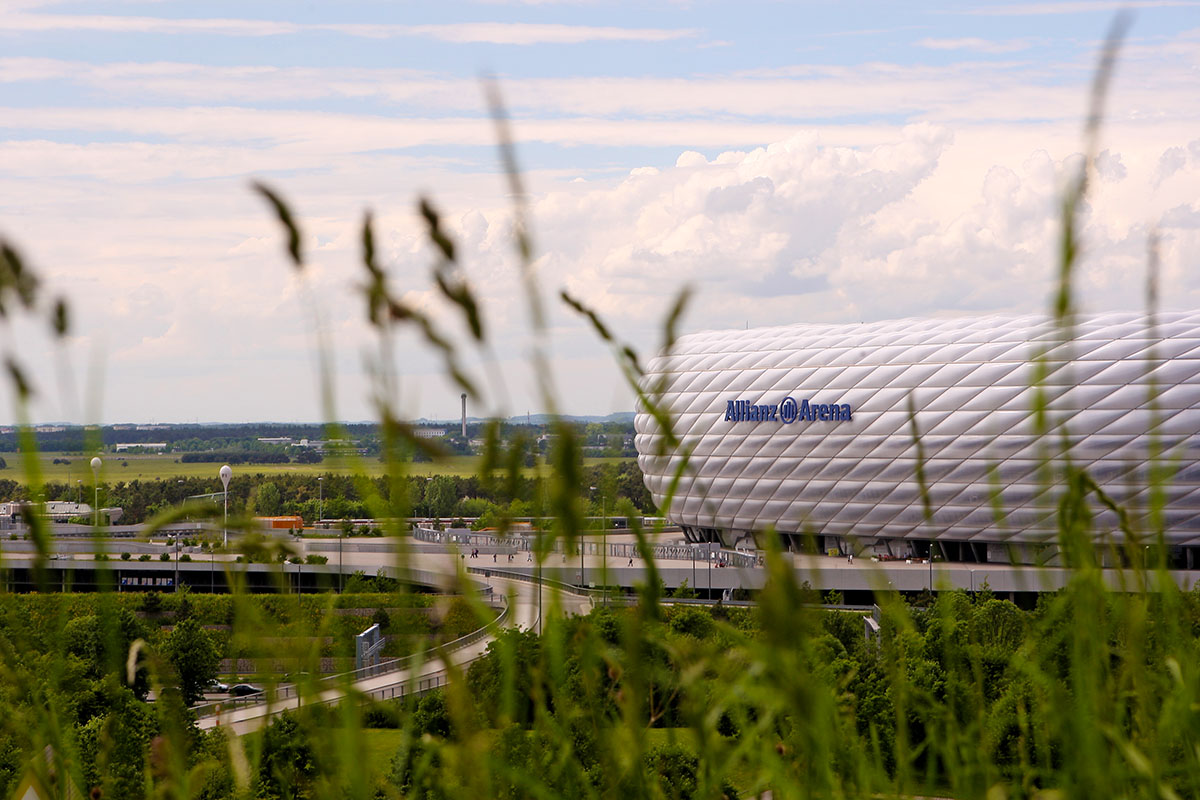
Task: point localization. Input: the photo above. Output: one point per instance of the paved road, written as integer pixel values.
(523, 613)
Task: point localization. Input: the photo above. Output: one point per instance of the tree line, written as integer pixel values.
(336, 497)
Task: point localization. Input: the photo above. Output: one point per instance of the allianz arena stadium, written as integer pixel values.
(806, 430)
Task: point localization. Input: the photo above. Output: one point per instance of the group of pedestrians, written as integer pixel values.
(495, 556)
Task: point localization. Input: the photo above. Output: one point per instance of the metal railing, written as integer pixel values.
(519, 542)
(526, 577)
(289, 691)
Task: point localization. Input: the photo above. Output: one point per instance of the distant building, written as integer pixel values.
(275, 439)
(12, 511)
(429, 433)
(342, 445)
(809, 431)
(144, 445)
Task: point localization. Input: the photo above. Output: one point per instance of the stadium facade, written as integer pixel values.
(806, 430)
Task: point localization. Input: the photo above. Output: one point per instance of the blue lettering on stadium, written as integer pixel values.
(786, 411)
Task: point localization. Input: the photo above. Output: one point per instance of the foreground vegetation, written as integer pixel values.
(967, 696)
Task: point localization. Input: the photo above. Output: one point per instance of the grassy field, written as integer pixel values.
(153, 467)
(382, 743)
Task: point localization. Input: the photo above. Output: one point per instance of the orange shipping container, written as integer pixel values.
(283, 523)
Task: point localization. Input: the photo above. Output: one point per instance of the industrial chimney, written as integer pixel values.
(464, 414)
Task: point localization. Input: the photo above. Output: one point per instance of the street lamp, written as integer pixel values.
(710, 560)
(931, 566)
(603, 543)
(538, 539)
(226, 473)
(96, 464)
(320, 498)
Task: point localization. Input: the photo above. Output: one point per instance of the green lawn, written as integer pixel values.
(153, 467)
(382, 744)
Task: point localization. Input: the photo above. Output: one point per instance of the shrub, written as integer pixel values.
(125, 556)
(164, 556)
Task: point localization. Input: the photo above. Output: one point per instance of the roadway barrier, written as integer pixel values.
(518, 542)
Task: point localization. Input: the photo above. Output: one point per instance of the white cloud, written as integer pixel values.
(976, 45)
(1153, 90)
(511, 33)
(1077, 7)
(1171, 161)
(188, 284)
(1109, 166)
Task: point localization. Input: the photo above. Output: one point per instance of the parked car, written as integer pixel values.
(243, 689)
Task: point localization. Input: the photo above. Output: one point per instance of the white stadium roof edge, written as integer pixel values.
(806, 428)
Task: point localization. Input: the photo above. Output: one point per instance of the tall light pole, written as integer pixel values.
(538, 532)
(226, 473)
(603, 542)
(710, 560)
(931, 567)
(320, 498)
(96, 464)
(341, 538)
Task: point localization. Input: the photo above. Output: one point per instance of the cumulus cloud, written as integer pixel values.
(1109, 166)
(1171, 161)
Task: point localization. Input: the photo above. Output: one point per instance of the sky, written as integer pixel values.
(789, 161)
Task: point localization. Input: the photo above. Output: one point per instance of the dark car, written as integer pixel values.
(243, 689)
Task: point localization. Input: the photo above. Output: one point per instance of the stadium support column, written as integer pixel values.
(464, 415)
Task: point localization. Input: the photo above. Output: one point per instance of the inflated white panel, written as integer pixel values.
(970, 384)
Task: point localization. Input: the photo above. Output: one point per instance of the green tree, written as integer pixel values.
(460, 619)
(432, 716)
(441, 496)
(194, 656)
(269, 501)
(113, 745)
(288, 763)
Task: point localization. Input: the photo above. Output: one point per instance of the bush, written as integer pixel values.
(144, 557)
(164, 556)
(125, 556)
(185, 557)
